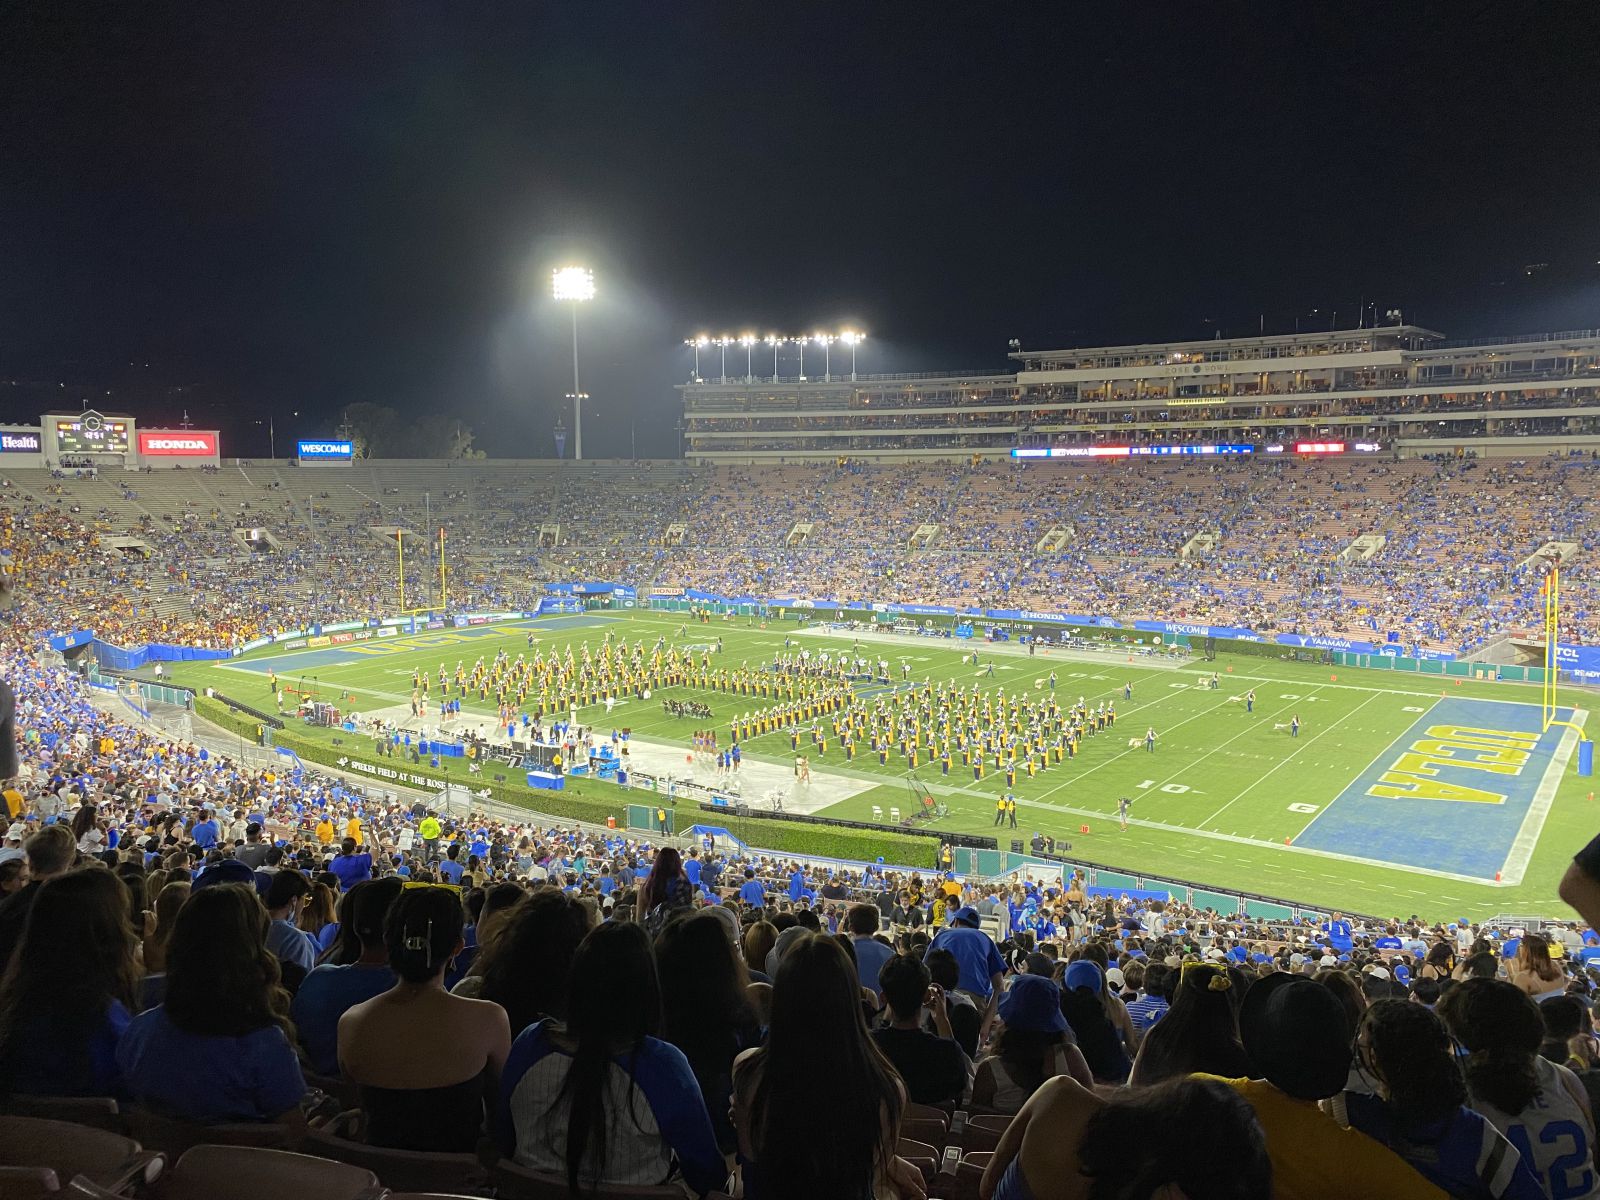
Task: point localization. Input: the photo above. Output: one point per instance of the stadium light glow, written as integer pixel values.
(748, 341)
(774, 341)
(574, 285)
(801, 342)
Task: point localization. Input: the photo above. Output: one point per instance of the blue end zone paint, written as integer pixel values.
(298, 662)
(1460, 837)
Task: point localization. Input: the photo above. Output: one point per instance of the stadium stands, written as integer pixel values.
(115, 833)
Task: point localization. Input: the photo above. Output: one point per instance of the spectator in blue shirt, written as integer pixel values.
(1337, 933)
(67, 999)
(205, 831)
(333, 988)
(692, 865)
(1156, 1000)
(218, 1049)
(871, 954)
(450, 870)
(751, 892)
(286, 894)
(350, 867)
(797, 884)
(982, 968)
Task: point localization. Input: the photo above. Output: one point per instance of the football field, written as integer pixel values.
(1398, 794)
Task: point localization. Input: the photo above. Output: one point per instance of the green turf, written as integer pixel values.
(1212, 803)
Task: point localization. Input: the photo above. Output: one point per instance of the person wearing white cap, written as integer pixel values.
(13, 843)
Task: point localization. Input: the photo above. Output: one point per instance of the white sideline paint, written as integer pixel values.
(1522, 846)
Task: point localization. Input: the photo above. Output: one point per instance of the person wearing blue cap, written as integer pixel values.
(1033, 1045)
(982, 969)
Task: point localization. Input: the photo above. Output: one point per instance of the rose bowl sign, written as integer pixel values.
(177, 443)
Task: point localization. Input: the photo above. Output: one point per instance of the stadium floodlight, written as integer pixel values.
(774, 341)
(574, 285)
(825, 340)
(748, 341)
(852, 338)
(694, 344)
(801, 342)
(723, 343)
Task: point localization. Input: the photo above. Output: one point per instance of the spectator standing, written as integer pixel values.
(350, 866)
(982, 970)
(871, 954)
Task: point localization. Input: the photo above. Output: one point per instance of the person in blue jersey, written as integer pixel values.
(1068, 1143)
(331, 989)
(219, 1047)
(599, 1099)
(1540, 1106)
(752, 893)
(67, 998)
(350, 866)
(1336, 934)
(1419, 1107)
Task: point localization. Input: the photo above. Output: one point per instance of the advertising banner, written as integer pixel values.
(328, 449)
(22, 442)
(177, 443)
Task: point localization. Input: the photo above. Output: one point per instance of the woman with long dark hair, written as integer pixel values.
(818, 1107)
(1198, 1034)
(599, 1098)
(1540, 1106)
(68, 995)
(426, 1061)
(219, 1046)
(1031, 1047)
(1083, 1004)
(525, 968)
(1418, 1108)
(706, 1010)
(665, 892)
(1185, 1137)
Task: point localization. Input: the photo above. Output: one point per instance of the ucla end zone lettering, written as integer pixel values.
(1451, 793)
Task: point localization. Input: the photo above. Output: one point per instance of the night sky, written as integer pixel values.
(290, 208)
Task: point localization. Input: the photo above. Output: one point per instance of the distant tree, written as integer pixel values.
(438, 436)
(376, 430)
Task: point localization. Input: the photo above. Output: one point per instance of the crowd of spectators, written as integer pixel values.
(217, 942)
(162, 560)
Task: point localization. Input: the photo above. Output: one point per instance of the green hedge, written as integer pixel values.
(592, 801)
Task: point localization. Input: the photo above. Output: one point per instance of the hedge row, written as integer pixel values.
(594, 802)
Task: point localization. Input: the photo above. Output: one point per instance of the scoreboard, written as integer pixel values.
(91, 433)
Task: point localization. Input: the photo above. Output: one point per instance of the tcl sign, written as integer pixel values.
(183, 442)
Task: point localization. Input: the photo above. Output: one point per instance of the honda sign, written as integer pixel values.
(175, 443)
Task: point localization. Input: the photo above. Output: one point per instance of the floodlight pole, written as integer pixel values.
(577, 392)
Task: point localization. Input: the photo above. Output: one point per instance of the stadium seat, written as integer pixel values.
(411, 1169)
(346, 1093)
(983, 1132)
(25, 1183)
(101, 1112)
(174, 1138)
(924, 1129)
(927, 1112)
(920, 1155)
(108, 1160)
(208, 1172)
(513, 1182)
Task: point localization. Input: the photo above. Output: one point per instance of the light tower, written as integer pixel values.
(574, 285)
(748, 341)
(774, 341)
(825, 340)
(852, 338)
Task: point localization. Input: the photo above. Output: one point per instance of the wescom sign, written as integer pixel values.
(177, 442)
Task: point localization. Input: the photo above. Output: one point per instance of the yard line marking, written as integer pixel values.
(1376, 758)
(1285, 761)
